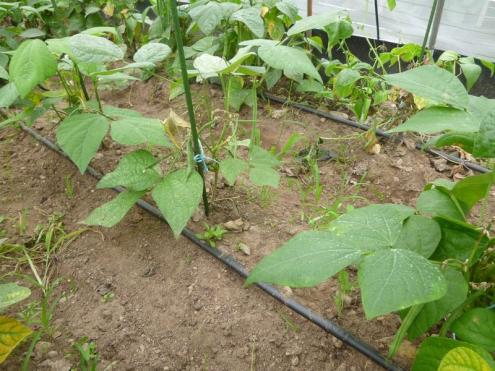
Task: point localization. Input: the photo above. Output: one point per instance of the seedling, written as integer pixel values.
(212, 234)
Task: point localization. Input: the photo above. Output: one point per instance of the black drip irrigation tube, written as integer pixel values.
(379, 132)
(237, 267)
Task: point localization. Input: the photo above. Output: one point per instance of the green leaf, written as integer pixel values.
(338, 31)
(463, 140)
(178, 196)
(463, 359)
(135, 171)
(420, 235)
(437, 202)
(8, 95)
(314, 22)
(251, 18)
(484, 145)
(231, 168)
(11, 293)
(470, 190)
(471, 72)
(139, 130)
(433, 349)
(432, 83)
(435, 311)
(4, 75)
(152, 52)
(477, 326)
(31, 64)
(32, 33)
(287, 8)
(80, 136)
(264, 176)
(12, 332)
(207, 16)
(209, 65)
(391, 4)
(437, 119)
(345, 81)
(293, 61)
(379, 226)
(94, 49)
(306, 260)
(458, 240)
(109, 214)
(395, 279)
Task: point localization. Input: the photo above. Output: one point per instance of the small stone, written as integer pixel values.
(278, 113)
(98, 156)
(375, 149)
(197, 306)
(440, 164)
(337, 343)
(244, 248)
(407, 350)
(287, 291)
(52, 354)
(42, 348)
(347, 300)
(322, 119)
(294, 361)
(198, 215)
(340, 114)
(234, 225)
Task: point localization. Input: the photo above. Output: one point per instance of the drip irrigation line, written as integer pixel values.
(237, 267)
(377, 21)
(468, 164)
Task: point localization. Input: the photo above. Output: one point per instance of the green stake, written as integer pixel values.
(187, 93)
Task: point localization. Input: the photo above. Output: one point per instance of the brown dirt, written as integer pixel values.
(175, 307)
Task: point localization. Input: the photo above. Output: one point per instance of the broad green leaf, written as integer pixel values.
(293, 61)
(11, 293)
(437, 202)
(306, 260)
(345, 81)
(60, 46)
(231, 168)
(479, 107)
(458, 240)
(433, 312)
(139, 130)
(391, 4)
(4, 75)
(152, 52)
(463, 359)
(314, 22)
(261, 157)
(251, 18)
(31, 64)
(135, 171)
(112, 212)
(209, 65)
(207, 16)
(8, 95)
(80, 136)
(94, 49)
(264, 176)
(432, 83)
(484, 145)
(470, 190)
(178, 196)
(420, 235)
(434, 348)
(437, 119)
(471, 72)
(272, 77)
(395, 279)
(379, 226)
(101, 31)
(12, 332)
(477, 326)
(287, 8)
(338, 31)
(259, 42)
(32, 33)
(463, 140)
(117, 112)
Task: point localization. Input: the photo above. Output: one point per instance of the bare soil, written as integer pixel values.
(152, 302)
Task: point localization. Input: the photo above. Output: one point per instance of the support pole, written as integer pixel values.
(436, 24)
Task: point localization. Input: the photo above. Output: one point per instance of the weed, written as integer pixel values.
(88, 355)
(69, 186)
(288, 323)
(344, 289)
(212, 234)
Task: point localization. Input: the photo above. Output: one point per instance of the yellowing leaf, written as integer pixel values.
(12, 333)
(109, 9)
(264, 10)
(420, 102)
(463, 359)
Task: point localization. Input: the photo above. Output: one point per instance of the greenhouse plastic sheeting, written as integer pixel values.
(466, 26)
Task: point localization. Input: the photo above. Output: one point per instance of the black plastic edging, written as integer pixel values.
(236, 266)
(379, 132)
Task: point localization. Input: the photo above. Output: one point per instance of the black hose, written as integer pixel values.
(379, 132)
(233, 264)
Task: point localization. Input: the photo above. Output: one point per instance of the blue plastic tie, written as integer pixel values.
(200, 158)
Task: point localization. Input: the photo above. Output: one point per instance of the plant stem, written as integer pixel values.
(187, 93)
(81, 81)
(401, 334)
(428, 29)
(97, 96)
